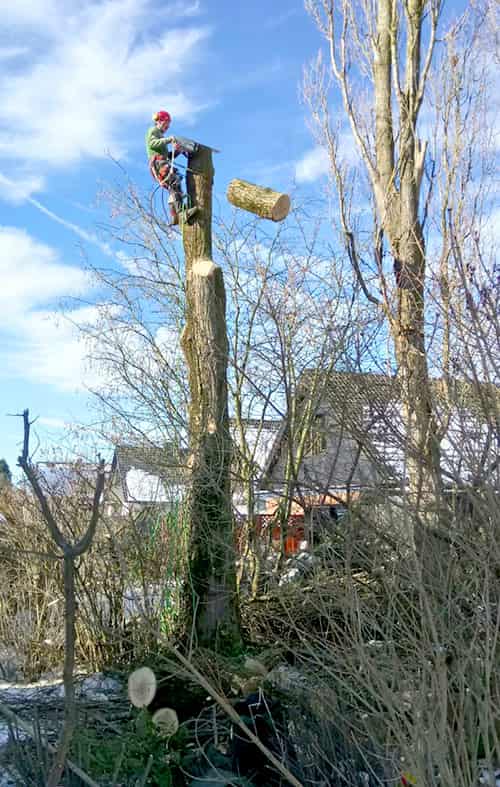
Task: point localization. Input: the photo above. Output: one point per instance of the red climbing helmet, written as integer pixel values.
(161, 116)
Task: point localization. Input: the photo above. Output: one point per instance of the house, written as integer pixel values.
(146, 478)
(152, 477)
(250, 457)
(349, 437)
(353, 440)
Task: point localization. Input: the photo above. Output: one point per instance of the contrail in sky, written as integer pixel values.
(90, 237)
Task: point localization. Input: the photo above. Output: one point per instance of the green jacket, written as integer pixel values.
(156, 142)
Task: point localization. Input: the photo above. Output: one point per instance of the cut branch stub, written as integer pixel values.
(264, 202)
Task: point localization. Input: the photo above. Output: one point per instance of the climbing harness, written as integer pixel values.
(166, 175)
(164, 170)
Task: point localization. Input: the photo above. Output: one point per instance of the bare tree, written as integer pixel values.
(291, 307)
(289, 316)
(380, 59)
(70, 552)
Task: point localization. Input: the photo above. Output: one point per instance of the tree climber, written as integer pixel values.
(161, 165)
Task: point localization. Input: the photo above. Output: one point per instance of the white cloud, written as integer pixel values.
(29, 12)
(93, 67)
(11, 52)
(30, 15)
(36, 343)
(183, 9)
(313, 165)
(31, 273)
(48, 349)
(52, 423)
(90, 237)
(19, 190)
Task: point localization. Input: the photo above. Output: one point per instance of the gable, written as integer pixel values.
(150, 474)
(364, 441)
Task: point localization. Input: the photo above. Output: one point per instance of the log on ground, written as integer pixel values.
(264, 202)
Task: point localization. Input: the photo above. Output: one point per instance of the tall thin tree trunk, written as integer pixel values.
(212, 594)
(397, 190)
(398, 203)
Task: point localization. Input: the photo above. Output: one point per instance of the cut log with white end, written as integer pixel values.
(142, 687)
(166, 721)
(264, 202)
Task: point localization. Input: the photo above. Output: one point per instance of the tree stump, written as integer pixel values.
(264, 202)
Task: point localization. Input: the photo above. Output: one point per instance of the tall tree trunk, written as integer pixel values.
(212, 597)
(397, 191)
(409, 339)
(422, 447)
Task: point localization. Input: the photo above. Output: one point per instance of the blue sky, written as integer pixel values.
(79, 82)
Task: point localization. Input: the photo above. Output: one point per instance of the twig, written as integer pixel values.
(234, 716)
(145, 775)
(119, 763)
(27, 728)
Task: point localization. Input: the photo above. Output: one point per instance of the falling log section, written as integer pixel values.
(264, 202)
(211, 599)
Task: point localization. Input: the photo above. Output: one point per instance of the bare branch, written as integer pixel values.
(435, 14)
(353, 256)
(27, 467)
(235, 718)
(340, 72)
(21, 724)
(81, 546)
(70, 553)
(395, 53)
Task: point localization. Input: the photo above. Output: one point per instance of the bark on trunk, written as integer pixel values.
(397, 191)
(197, 237)
(422, 448)
(264, 202)
(212, 603)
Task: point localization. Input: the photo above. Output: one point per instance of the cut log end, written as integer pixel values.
(281, 208)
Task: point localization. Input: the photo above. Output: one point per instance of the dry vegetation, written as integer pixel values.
(364, 670)
(381, 662)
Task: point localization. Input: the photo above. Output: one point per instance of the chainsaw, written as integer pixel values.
(189, 146)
